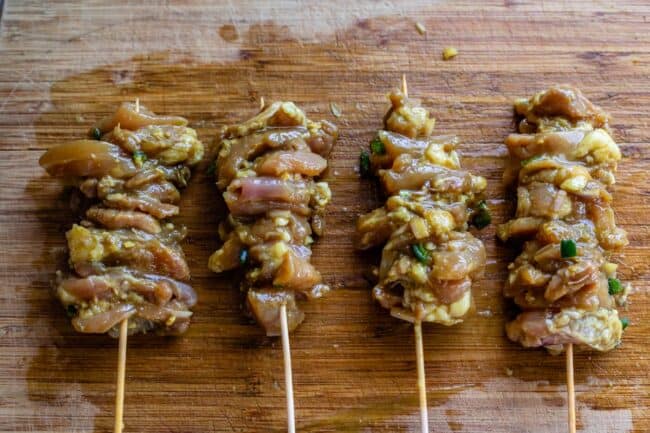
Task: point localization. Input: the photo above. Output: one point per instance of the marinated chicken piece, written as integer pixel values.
(125, 257)
(559, 108)
(114, 219)
(429, 260)
(564, 161)
(100, 302)
(87, 158)
(137, 249)
(600, 329)
(133, 117)
(266, 169)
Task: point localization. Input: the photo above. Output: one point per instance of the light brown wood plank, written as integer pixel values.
(65, 64)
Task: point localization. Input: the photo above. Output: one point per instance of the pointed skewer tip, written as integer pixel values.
(405, 89)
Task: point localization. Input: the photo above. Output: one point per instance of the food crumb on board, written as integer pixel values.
(336, 111)
(449, 53)
(420, 28)
(485, 313)
(509, 371)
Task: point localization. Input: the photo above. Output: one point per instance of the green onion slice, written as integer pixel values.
(420, 253)
(243, 257)
(568, 248)
(377, 147)
(614, 285)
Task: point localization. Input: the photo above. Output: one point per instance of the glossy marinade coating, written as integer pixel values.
(563, 161)
(266, 168)
(125, 256)
(429, 259)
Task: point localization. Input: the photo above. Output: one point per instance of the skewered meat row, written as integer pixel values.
(125, 256)
(429, 259)
(266, 168)
(564, 160)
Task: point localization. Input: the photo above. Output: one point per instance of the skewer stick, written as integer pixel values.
(121, 370)
(571, 396)
(288, 377)
(422, 384)
(419, 349)
(121, 357)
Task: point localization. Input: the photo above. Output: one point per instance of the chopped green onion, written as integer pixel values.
(243, 257)
(139, 157)
(420, 253)
(482, 217)
(625, 322)
(526, 161)
(568, 248)
(211, 168)
(364, 164)
(95, 133)
(71, 310)
(377, 147)
(615, 286)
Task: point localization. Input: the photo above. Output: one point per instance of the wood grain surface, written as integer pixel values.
(64, 64)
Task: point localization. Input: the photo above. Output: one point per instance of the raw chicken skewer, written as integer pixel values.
(419, 345)
(127, 270)
(121, 357)
(266, 168)
(564, 160)
(429, 259)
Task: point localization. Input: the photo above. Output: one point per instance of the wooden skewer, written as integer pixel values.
(288, 377)
(121, 357)
(422, 384)
(121, 372)
(571, 396)
(419, 347)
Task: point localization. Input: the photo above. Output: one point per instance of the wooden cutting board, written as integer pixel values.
(64, 65)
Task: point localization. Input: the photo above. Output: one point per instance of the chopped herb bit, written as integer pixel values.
(243, 257)
(95, 134)
(71, 310)
(449, 53)
(625, 322)
(525, 162)
(615, 286)
(278, 286)
(364, 164)
(482, 217)
(420, 253)
(568, 248)
(377, 147)
(211, 168)
(139, 157)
